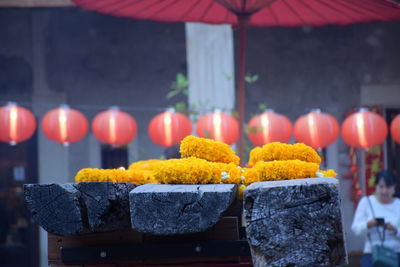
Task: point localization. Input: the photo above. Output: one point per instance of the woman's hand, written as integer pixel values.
(390, 227)
(372, 223)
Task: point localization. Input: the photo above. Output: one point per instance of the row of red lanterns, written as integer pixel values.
(65, 125)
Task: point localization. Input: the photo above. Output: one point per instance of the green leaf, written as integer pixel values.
(181, 81)
(172, 94)
(227, 76)
(251, 78)
(181, 107)
(262, 106)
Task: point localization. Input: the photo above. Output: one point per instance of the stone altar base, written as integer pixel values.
(295, 223)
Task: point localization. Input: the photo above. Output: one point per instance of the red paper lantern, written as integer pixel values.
(169, 128)
(316, 129)
(395, 129)
(114, 127)
(17, 124)
(364, 129)
(64, 125)
(269, 127)
(218, 126)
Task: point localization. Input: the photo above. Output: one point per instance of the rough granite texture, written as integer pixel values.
(162, 209)
(70, 209)
(295, 223)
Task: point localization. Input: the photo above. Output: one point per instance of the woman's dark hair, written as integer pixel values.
(387, 176)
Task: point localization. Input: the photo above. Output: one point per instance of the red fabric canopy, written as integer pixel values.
(271, 13)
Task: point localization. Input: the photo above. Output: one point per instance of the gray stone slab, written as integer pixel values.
(70, 209)
(163, 209)
(295, 223)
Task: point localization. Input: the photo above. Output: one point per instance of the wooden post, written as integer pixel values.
(295, 223)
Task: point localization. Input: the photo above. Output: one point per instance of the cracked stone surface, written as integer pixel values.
(163, 209)
(295, 223)
(70, 209)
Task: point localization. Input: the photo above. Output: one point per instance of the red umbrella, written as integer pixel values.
(263, 13)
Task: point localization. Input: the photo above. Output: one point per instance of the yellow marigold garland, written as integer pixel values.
(230, 173)
(147, 165)
(281, 151)
(251, 175)
(327, 173)
(187, 171)
(285, 169)
(115, 175)
(206, 161)
(207, 149)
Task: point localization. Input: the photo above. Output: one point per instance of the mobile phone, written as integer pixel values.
(380, 221)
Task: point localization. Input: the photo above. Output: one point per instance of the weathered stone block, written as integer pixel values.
(69, 209)
(163, 209)
(295, 223)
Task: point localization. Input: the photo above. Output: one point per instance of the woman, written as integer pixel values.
(386, 210)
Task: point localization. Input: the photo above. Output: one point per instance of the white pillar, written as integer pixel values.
(210, 60)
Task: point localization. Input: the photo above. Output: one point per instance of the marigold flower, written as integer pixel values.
(229, 173)
(207, 149)
(281, 151)
(327, 173)
(187, 171)
(285, 169)
(115, 175)
(251, 175)
(147, 165)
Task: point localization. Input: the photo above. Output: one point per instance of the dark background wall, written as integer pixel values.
(94, 61)
(97, 61)
(320, 67)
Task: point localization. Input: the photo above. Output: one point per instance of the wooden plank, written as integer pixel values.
(63, 265)
(55, 242)
(300, 226)
(35, 3)
(225, 249)
(79, 208)
(225, 229)
(165, 209)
